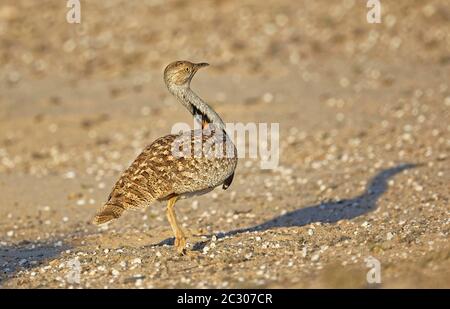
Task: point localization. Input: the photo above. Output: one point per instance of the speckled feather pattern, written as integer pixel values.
(157, 174)
(182, 165)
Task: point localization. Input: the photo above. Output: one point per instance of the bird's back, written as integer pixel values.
(183, 164)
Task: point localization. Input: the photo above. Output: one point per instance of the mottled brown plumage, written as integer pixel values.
(176, 166)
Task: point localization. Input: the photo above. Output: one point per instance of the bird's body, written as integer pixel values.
(156, 174)
(178, 165)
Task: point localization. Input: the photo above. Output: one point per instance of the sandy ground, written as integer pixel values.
(364, 139)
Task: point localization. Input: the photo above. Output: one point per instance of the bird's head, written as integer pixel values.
(180, 73)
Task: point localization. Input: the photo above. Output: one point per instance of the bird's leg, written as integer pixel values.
(180, 239)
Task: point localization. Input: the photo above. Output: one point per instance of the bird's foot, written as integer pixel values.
(180, 245)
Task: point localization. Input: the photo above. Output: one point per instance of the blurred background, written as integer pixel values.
(128, 38)
(354, 101)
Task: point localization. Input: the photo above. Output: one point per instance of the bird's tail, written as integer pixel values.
(108, 212)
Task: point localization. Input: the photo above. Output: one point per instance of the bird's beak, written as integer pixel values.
(201, 65)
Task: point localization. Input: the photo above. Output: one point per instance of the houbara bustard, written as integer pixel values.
(163, 172)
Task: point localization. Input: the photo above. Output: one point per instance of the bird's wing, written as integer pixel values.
(228, 182)
(160, 171)
(148, 178)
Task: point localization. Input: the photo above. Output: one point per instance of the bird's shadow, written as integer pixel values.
(325, 212)
(27, 255)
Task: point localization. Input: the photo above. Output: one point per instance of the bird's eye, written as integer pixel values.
(187, 69)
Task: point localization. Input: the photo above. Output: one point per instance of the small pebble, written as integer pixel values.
(389, 236)
(136, 261)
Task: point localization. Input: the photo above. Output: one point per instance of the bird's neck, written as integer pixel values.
(196, 106)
